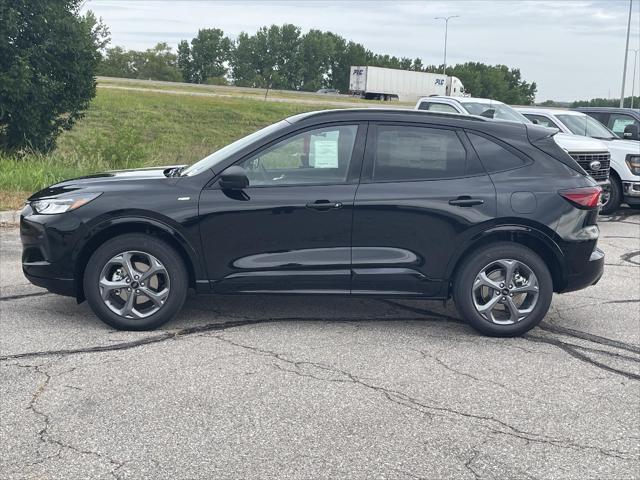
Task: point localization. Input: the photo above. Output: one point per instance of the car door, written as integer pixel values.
(290, 229)
(421, 189)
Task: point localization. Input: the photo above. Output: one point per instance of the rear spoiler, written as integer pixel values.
(542, 138)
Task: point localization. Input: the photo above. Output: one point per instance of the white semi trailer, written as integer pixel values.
(390, 84)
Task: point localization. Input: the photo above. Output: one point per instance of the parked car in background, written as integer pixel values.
(493, 214)
(625, 154)
(591, 154)
(328, 91)
(624, 122)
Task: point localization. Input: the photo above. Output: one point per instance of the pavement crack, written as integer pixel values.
(407, 401)
(630, 257)
(44, 434)
(23, 295)
(184, 332)
(572, 350)
(569, 332)
(629, 300)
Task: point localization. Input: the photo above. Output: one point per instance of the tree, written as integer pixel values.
(492, 81)
(185, 61)
(210, 50)
(48, 60)
(118, 62)
(157, 63)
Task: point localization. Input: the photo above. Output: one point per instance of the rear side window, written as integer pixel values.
(403, 153)
(493, 156)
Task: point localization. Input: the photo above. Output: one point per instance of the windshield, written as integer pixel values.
(501, 111)
(210, 161)
(585, 125)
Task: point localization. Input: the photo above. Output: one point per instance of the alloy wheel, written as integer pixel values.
(134, 284)
(505, 291)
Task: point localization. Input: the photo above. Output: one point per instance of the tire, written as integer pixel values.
(468, 290)
(615, 197)
(107, 274)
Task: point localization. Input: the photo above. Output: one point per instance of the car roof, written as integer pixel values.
(396, 114)
(608, 110)
(500, 129)
(548, 111)
(488, 101)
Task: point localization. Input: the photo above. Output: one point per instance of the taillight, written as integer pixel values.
(585, 197)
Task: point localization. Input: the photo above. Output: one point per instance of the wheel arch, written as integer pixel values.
(116, 227)
(529, 237)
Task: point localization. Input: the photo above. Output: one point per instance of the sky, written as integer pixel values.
(572, 49)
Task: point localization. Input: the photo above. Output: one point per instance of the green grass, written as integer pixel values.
(128, 129)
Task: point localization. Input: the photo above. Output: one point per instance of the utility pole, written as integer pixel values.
(626, 55)
(633, 82)
(446, 28)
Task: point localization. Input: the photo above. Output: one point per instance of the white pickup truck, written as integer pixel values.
(625, 154)
(592, 155)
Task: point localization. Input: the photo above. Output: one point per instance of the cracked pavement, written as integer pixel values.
(303, 387)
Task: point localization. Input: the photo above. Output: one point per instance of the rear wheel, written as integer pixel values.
(503, 290)
(613, 199)
(135, 282)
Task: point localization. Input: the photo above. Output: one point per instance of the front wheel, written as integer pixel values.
(135, 282)
(503, 290)
(612, 201)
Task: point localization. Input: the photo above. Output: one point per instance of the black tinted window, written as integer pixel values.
(416, 153)
(494, 157)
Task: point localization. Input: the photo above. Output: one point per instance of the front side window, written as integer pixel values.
(618, 122)
(320, 156)
(403, 153)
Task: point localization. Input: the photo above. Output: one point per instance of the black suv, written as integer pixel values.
(368, 202)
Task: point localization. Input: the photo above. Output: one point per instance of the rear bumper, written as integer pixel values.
(589, 273)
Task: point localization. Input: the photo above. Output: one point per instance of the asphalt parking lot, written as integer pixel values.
(313, 388)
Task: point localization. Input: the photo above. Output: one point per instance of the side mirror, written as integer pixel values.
(631, 132)
(234, 178)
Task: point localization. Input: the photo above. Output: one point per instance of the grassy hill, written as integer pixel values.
(133, 128)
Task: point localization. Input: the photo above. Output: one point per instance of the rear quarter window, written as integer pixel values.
(494, 156)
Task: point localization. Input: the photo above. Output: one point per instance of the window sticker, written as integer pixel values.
(324, 152)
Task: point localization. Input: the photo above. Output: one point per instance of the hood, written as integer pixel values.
(623, 147)
(93, 182)
(579, 143)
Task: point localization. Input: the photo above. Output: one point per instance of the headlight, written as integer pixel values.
(633, 162)
(51, 206)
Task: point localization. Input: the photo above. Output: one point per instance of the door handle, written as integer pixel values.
(465, 201)
(324, 205)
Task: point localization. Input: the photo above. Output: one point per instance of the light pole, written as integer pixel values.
(446, 28)
(626, 53)
(633, 81)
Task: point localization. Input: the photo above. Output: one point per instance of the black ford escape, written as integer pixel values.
(364, 202)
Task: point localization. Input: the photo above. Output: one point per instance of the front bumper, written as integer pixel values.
(631, 192)
(48, 243)
(589, 273)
